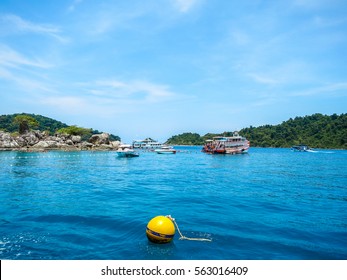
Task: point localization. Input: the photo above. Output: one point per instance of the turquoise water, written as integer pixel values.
(269, 204)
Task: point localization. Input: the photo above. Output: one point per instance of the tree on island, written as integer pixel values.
(85, 133)
(24, 123)
(75, 130)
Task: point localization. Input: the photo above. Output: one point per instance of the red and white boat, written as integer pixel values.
(235, 144)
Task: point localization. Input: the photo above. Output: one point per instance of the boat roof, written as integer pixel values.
(227, 138)
(125, 146)
(147, 140)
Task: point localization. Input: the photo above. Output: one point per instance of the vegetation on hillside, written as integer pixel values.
(319, 131)
(44, 124)
(85, 133)
(186, 139)
(24, 123)
(12, 123)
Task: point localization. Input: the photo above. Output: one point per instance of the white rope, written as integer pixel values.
(53, 156)
(182, 237)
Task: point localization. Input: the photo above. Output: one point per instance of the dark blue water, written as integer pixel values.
(270, 204)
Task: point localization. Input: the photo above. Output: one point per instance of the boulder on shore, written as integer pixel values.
(7, 141)
(38, 140)
(46, 145)
(98, 139)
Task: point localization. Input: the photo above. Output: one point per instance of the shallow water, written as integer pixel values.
(269, 204)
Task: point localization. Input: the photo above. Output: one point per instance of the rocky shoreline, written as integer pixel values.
(36, 140)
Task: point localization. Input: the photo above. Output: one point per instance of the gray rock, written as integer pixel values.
(115, 144)
(9, 144)
(69, 142)
(98, 139)
(7, 141)
(46, 145)
(31, 138)
(38, 140)
(76, 138)
(87, 145)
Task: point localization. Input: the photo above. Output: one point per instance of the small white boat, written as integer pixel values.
(126, 151)
(165, 150)
(301, 148)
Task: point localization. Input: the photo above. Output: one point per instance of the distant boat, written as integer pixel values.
(301, 148)
(126, 150)
(147, 143)
(165, 150)
(235, 144)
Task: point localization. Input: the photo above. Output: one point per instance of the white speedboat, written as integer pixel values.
(165, 150)
(126, 151)
(301, 148)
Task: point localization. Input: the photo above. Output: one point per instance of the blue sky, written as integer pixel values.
(158, 68)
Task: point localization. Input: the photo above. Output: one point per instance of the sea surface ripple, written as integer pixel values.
(269, 204)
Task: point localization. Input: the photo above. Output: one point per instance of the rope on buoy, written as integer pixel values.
(182, 237)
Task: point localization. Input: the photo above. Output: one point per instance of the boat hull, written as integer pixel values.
(165, 152)
(127, 154)
(228, 151)
(230, 145)
(301, 148)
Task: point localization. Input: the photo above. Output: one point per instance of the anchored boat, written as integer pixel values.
(235, 144)
(146, 144)
(165, 150)
(126, 151)
(301, 148)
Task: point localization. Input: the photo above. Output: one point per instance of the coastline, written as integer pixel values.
(37, 141)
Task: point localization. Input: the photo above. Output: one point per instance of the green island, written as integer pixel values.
(317, 131)
(30, 132)
(11, 123)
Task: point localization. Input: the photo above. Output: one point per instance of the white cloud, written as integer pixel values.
(311, 4)
(24, 25)
(25, 83)
(110, 17)
(107, 97)
(239, 37)
(103, 24)
(184, 5)
(263, 79)
(11, 58)
(16, 23)
(21, 71)
(325, 89)
(73, 5)
(135, 90)
(65, 103)
(140, 16)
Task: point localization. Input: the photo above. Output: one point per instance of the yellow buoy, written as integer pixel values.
(160, 230)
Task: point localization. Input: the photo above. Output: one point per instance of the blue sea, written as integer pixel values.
(270, 204)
